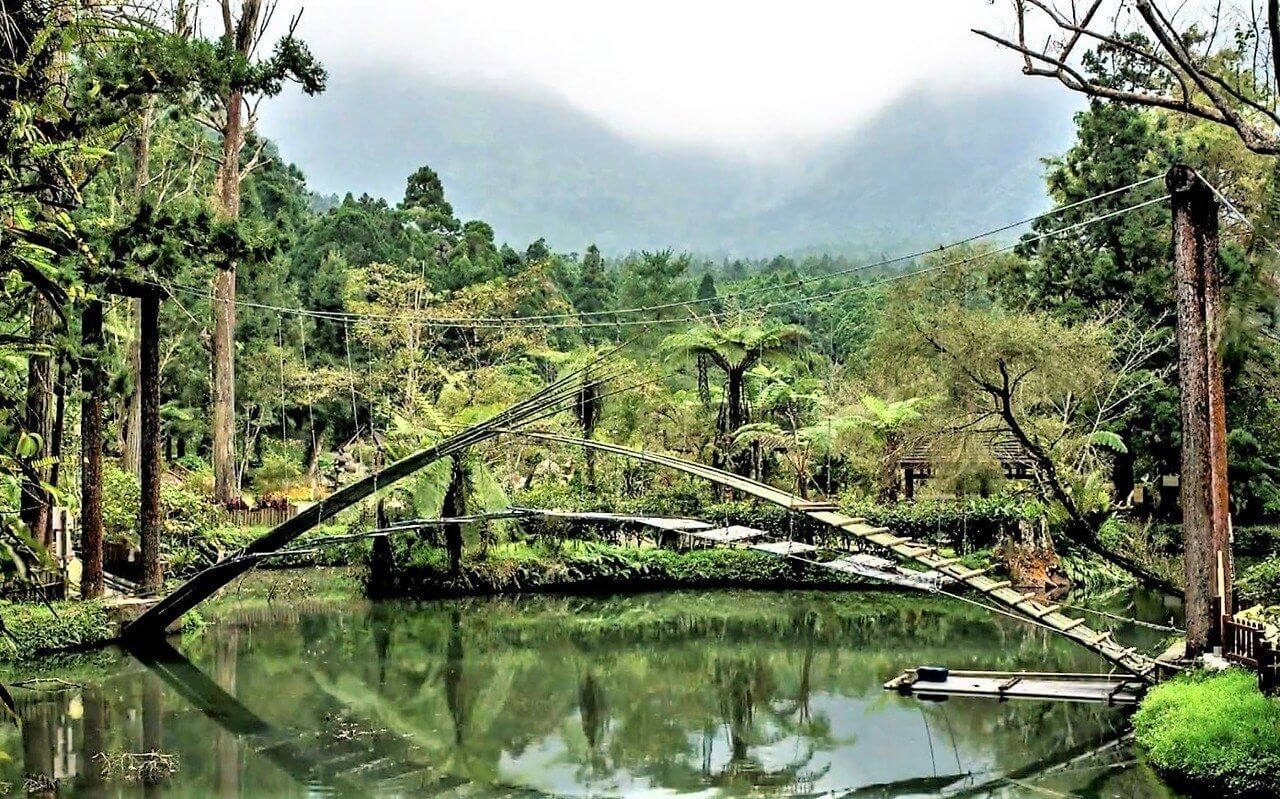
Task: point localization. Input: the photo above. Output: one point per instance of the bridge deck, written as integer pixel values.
(999, 591)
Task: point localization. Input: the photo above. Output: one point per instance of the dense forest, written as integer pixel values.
(304, 341)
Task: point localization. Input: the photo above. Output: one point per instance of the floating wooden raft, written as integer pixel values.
(998, 591)
(1110, 689)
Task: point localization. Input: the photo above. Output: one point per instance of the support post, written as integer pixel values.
(91, 380)
(1203, 486)
(149, 384)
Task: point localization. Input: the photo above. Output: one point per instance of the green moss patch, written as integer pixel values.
(1213, 732)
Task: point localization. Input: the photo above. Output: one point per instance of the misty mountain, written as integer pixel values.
(927, 169)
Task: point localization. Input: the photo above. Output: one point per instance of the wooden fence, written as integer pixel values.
(1245, 642)
(42, 589)
(257, 517)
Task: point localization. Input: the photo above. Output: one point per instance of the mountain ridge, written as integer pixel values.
(926, 169)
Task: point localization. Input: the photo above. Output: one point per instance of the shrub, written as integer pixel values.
(421, 571)
(1214, 733)
(279, 470)
(1257, 539)
(963, 525)
(187, 514)
(32, 629)
(192, 463)
(186, 511)
(121, 495)
(1260, 583)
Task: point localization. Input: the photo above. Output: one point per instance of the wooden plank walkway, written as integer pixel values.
(999, 591)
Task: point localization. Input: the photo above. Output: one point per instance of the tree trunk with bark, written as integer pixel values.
(455, 504)
(37, 421)
(224, 311)
(1202, 487)
(56, 434)
(149, 518)
(91, 384)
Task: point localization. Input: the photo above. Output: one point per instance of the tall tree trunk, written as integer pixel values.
(736, 417)
(132, 453)
(1202, 485)
(91, 380)
(224, 399)
(889, 466)
(224, 311)
(34, 505)
(132, 450)
(149, 520)
(56, 434)
(455, 504)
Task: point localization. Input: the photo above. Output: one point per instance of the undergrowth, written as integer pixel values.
(422, 571)
(27, 629)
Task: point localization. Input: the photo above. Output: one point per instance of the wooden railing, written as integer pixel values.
(1245, 642)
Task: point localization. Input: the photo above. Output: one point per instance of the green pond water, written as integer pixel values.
(704, 694)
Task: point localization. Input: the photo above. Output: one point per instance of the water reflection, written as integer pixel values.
(707, 694)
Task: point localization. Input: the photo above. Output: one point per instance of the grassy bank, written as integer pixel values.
(28, 630)
(421, 572)
(1213, 733)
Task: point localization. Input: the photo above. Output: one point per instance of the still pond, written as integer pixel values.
(715, 694)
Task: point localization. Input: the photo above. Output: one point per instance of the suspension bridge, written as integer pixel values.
(153, 623)
(562, 395)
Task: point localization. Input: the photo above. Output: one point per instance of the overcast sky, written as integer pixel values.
(743, 77)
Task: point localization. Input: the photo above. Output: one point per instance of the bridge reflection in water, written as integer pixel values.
(714, 694)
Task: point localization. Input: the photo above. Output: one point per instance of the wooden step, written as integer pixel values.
(783, 547)
(1100, 637)
(969, 575)
(997, 586)
(815, 506)
(1071, 625)
(1045, 611)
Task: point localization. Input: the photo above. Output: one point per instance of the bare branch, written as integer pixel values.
(1200, 89)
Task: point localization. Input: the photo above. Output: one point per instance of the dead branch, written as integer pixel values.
(1198, 85)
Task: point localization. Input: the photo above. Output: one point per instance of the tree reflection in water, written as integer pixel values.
(736, 694)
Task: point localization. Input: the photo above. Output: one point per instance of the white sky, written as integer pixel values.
(740, 76)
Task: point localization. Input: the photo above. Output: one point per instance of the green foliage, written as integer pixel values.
(1259, 583)
(27, 630)
(121, 495)
(1213, 733)
(423, 571)
(187, 514)
(281, 466)
(963, 525)
(1257, 539)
